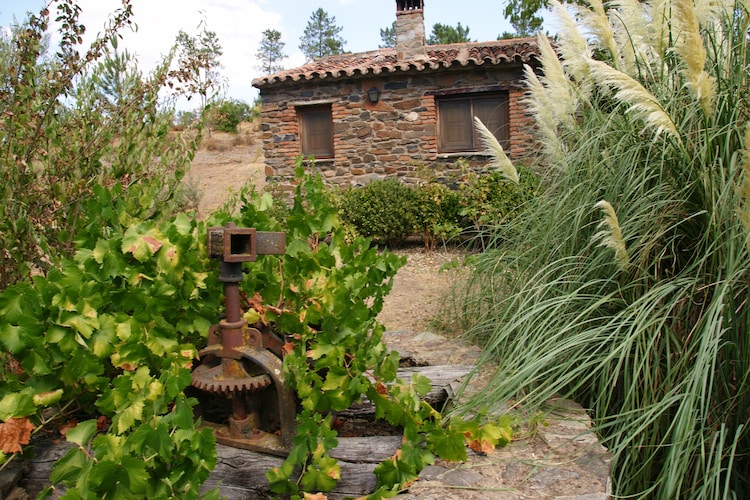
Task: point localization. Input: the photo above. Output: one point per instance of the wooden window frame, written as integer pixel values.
(316, 130)
(455, 112)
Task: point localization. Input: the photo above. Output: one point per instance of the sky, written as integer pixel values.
(239, 25)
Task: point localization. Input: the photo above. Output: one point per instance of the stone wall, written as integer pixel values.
(397, 136)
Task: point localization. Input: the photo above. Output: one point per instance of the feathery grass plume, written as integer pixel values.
(611, 234)
(540, 105)
(643, 104)
(500, 160)
(707, 12)
(659, 29)
(632, 35)
(556, 83)
(689, 46)
(745, 198)
(574, 49)
(597, 21)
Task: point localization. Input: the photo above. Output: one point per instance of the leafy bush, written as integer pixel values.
(64, 130)
(490, 199)
(625, 284)
(184, 119)
(384, 210)
(108, 338)
(227, 114)
(438, 213)
(389, 211)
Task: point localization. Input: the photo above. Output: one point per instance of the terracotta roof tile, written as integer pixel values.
(376, 62)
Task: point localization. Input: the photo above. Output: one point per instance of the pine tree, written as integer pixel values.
(388, 36)
(271, 52)
(443, 34)
(321, 37)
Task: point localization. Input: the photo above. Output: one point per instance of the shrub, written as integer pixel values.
(389, 211)
(489, 200)
(227, 114)
(438, 214)
(384, 210)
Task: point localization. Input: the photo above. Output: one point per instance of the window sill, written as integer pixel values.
(319, 160)
(462, 154)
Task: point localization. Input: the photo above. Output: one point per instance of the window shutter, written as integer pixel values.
(454, 114)
(316, 131)
(494, 114)
(456, 121)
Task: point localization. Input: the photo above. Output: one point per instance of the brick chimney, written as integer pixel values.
(410, 39)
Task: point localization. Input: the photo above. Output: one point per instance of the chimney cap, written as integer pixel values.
(407, 5)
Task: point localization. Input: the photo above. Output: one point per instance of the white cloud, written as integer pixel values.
(238, 25)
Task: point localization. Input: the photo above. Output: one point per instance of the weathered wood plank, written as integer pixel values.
(445, 380)
(371, 449)
(240, 474)
(442, 377)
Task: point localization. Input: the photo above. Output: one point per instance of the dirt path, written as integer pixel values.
(224, 164)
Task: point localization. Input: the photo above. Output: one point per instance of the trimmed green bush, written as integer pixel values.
(438, 213)
(489, 200)
(388, 211)
(384, 211)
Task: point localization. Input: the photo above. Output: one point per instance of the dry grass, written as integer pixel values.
(222, 141)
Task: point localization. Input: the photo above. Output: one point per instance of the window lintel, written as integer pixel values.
(317, 102)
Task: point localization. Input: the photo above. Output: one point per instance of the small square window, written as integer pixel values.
(316, 130)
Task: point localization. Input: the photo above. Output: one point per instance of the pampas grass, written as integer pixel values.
(500, 161)
(659, 353)
(557, 85)
(597, 21)
(541, 106)
(611, 235)
(642, 103)
(551, 99)
(574, 50)
(690, 48)
(745, 197)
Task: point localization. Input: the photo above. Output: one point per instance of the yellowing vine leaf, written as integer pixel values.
(315, 496)
(482, 446)
(47, 398)
(13, 433)
(142, 246)
(491, 435)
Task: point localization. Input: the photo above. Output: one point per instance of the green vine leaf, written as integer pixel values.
(82, 433)
(125, 478)
(17, 404)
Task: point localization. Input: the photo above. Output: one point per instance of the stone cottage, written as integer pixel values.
(390, 111)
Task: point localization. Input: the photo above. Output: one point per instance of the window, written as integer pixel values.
(316, 130)
(456, 121)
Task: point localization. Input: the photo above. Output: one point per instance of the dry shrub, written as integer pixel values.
(215, 144)
(244, 139)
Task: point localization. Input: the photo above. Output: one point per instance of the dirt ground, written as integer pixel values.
(225, 162)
